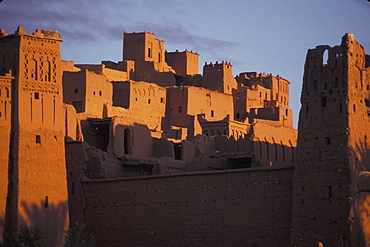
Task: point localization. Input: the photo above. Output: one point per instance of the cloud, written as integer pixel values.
(92, 21)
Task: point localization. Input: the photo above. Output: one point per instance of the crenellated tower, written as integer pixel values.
(219, 77)
(37, 188)
(333, 141)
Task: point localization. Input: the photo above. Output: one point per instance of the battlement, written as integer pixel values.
(39, 33)
(179, 52)
(217, 64)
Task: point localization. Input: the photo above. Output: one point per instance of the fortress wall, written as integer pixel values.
(274, 145)
(228, 208)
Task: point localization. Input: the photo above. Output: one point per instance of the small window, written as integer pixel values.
(38, 139)
(327, 140)
(212, 113)
(149, 52)
(100, 93)
(37, 95)
(93, 92)
(179, 109)
(161, 100)
(46, 202)
(76, 90)
(237, 115)
(148, 101)
(323, 101)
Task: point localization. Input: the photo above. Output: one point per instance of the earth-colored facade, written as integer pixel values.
(151, 125)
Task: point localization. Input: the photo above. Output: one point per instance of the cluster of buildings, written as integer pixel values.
(143, 148)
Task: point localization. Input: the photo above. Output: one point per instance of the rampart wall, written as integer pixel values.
(229, 208)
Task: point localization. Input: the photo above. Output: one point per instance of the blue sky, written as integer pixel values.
(270, 36)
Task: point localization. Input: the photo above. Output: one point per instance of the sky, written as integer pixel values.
(268, 36)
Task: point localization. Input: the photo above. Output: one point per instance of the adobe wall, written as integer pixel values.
(87, 91)
(184, 103)
(74, 89)
(231, 208)
(5, 125)
(184, 63)
(101, 69)
(274, 145)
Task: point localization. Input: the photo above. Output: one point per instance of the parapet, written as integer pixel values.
(40, 33)
(178, 52)
(217, 64)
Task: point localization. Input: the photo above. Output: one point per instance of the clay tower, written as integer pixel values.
(332, 142)
(37, 189)
(219, 77)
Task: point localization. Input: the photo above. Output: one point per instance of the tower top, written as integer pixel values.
(39, 33)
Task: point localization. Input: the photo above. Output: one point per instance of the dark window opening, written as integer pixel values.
(149, 52)
(323, 101)
(159, 57)
(126, 141)
(37, 95)
(100, 93)
(161, 100)
(179, 109)
(330, 192)
(367, 102)
(237, 115)
(46, 202)
(177, 151)
(98, 134)
(148, 101)
(38, 139)
(76, 90)
(327, 140)
(212, 113)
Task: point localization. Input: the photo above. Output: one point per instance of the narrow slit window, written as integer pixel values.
(38, 139)
(46, 202)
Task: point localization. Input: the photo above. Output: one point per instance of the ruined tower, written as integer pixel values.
(37, 189)
(333, 141)
(219, 77)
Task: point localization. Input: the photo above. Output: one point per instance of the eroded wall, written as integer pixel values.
(332, 143)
